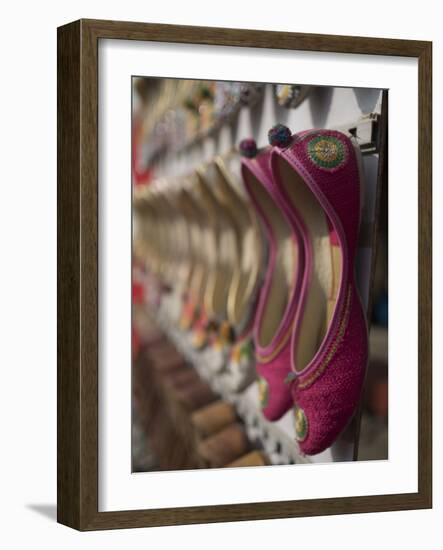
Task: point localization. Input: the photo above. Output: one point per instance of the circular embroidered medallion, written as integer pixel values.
(301, 424)
(263, 392)
(327, 152)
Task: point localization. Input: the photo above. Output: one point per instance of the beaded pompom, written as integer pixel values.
(248, 148)
(280, 135)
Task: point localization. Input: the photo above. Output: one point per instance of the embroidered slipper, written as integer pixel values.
(229, 254)
(239, 371)
(148, 250)
(318, 179)
(183, 239)
(194, 315)
(192, 297)
(176, 243)
(248, 269)
(238, 264)
(218, 244)
(279, 295)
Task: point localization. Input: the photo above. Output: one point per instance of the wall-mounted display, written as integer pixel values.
(244, 313)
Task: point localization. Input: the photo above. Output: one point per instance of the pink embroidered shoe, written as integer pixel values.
(279, 295)
(317, 177)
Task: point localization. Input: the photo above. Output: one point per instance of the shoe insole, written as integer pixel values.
(182, 240)
(247, 267)
(175, 242)
(326, 266)
(219, 279)
(222, 245)
(282, 270)
(195, 256)
(167, 242)
(246, 277)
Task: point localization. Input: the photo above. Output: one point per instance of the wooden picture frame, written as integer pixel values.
(77, 173)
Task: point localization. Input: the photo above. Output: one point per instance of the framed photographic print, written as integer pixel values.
(236, 211)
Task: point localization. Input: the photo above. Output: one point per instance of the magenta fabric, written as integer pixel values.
(330, 401)
(277, 399)
(273, 361)
(326, 392)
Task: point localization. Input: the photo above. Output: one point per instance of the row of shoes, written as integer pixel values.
(257, 250)
(181, 111)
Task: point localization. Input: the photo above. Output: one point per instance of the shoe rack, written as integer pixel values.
(214, 411)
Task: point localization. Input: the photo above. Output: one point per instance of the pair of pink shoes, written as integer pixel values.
(310, 330)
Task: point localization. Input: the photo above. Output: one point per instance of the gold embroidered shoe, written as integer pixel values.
(317, 177)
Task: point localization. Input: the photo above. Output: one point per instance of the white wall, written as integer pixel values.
(324, 107)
